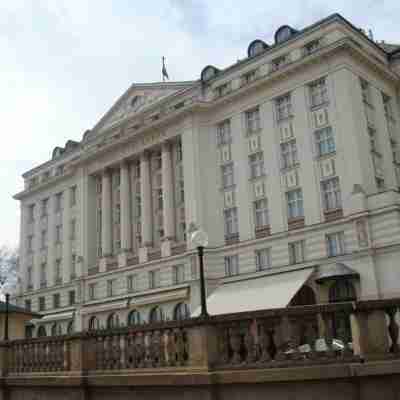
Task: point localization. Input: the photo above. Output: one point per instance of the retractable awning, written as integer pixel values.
(257, 293)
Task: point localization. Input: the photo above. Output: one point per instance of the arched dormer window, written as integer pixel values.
(256, 47)
(208, 73)
(57, 152)
(284, 33)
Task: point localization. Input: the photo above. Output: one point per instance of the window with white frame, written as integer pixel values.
(296, 252)
(178, 272)
(331, 194)
(365, 91)
(224, 132)
(92, 291)
(111, 287)
(252, 119)
(154, 279)
(56, 300)
(43, 270)
(42, 303)
(227, 175)
(132, 282)
(73, 266)
(231, 265)
(318, 92)
(289, 154)
(231, 222)
(263, 259)
(335, 244)
(325, 141)
(283, 106)
(295, 204)
(261, 213)
(256, 163)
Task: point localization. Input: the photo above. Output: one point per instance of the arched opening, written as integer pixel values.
(113, 321)
(94, 324)
(29, 331)
(56, 330)
(156, 315)
(304, 297)
(134, 318)
(41, 331)
(181, 312)
(70, 328)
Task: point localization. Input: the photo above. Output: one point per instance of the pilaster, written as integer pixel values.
(168, 192)
(146, 200)
(106, 222)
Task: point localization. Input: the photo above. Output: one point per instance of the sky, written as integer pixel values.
(63, 63)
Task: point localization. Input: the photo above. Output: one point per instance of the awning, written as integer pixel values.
(335, 271)
(94, 308)
(159, 298)
(54, 317)
(271, 291)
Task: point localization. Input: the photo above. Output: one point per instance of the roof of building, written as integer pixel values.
(389, 47)
(15, 309)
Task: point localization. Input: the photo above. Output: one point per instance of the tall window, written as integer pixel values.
(252, 118)
(331, 194)
(132, 282)
(73, 196)
(289, 154)
(181, 312)
(156, 315)
(231, 265)
(31, 213)
(43, 239)
(45, 204)
(43, 268)
(231, 221)
(335, 244)
(56, 300)
(58, 233)
(71, 297)
(73, 229)
(154, 279)
(366, 91)
(325, 141)
(42, 303)
(263, 259)
(295, 204)
(134, 318)
(94, 323)
(113, 321)
(227, 175)
(92, 291)
(296, 252)
(178, 274)
(224, 132)
(28, 305)
(73, 266)
(318, 92)
(57, 272)
(261, 213)
(256, 162)
(283, 106)
(111, 287)
(59, 202)
(30, 243)
(30, 276)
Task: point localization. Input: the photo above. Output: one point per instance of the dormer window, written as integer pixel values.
(208, 73)
(249, 77)
(284, 33)
(223, 90)
(256, 47)
(59, 170)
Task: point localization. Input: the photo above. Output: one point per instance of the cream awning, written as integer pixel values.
(271, 291)
(54, 317)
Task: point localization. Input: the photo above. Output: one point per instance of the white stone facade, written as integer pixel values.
(288, 159)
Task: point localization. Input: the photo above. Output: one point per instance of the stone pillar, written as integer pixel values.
(168, 192)
(106, 222)
(145, 193)
(67, 243)
(126, 220)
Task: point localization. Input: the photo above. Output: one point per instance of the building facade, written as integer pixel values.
(288, 159)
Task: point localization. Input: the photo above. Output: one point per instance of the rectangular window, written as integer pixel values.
(154, 279)
(59, 202)
(73, 229)
(222, 90)
(231, 222)
(331, 194)
(179, 154)
(43, 271)
(295, 204)
(111, 287)
(71, 297)
(56, 300)
(42, 303)
(325, 141)
(30, 243)
(57, 272)
(43, 240)
(289, 154)
(296, 252)
(30, 276)
(92, 291)
(335, 244)
(224, 132)
(262, 259)
(283, 106)
(73, 192)
(311, 47)
(31, 213)
(28, 305)
(227, 175)
(279, 62)
(261, 213)
(178, 274)
(256, 162)
(252, 119)
(132, 283)
(318, 92)
(73, 266)
(231, 265)
(45, 203)
(59, 233)
(366, 91)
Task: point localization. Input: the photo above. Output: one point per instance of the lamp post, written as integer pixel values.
(200, 240)
(6, 319)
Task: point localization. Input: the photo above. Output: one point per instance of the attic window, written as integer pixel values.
(284, 33)
(256, 47)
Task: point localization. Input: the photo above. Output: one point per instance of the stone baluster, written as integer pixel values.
(170, 347)
(250, 344)
(223, 344)
(235, 342)
(264, 342)
(130, 359)
(180, 346)
(140, 350)
(99, 352)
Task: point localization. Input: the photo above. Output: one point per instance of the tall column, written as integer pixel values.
(67, 244)
(106, 236)
(168, 192)
(126, 220)
(145, 194)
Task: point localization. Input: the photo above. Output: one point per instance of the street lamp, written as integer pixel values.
(6, 319)
(200, 239)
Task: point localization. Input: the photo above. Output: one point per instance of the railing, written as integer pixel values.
(294, 336)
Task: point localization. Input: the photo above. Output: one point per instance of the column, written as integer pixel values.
(168, 192)
(145, 194)
(126, 220)
(67, 244)
(106, 236)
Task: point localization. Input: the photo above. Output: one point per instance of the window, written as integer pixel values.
(325, 141)
(154, 279)
(295, 204)
(43, 240)
(59, 202)
(181, 312)
(134, 318)
(318, 92)
(59, 170)
(113, 321)
(365, 91)
(388, 106)
(262, 259)
(45, 203)
(41, 331)
(222, 90)
(279, 62)
(43, 282)
(179, 154)
(132, 283)
(73, 229)
(252, 119)
(73, 196)
(309, 48)
(92, 291)
(57, 272)
(42, 303)
(71, 297)
(31, 213)
(157, 161)
(256, 162)
(335, 244)
(56, 300)
(231, 222)
(178, 274)
(224, 132)
(296, 252)
(289, 154)
(30, 243)
(261, 213)
(331, 194)
(111, 287)
(159, 198)
(28, 305)
(231, 265)
(372, 139)
(227, 175)
(283, 107)
(29, 276)
(58, 233)
(94, 324)
(156, 315)
(73, 266)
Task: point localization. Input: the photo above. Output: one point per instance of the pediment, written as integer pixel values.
(137, 98)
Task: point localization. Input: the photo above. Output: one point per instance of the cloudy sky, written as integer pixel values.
(64, 62)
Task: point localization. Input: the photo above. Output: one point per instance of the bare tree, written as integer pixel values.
(8, 269)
